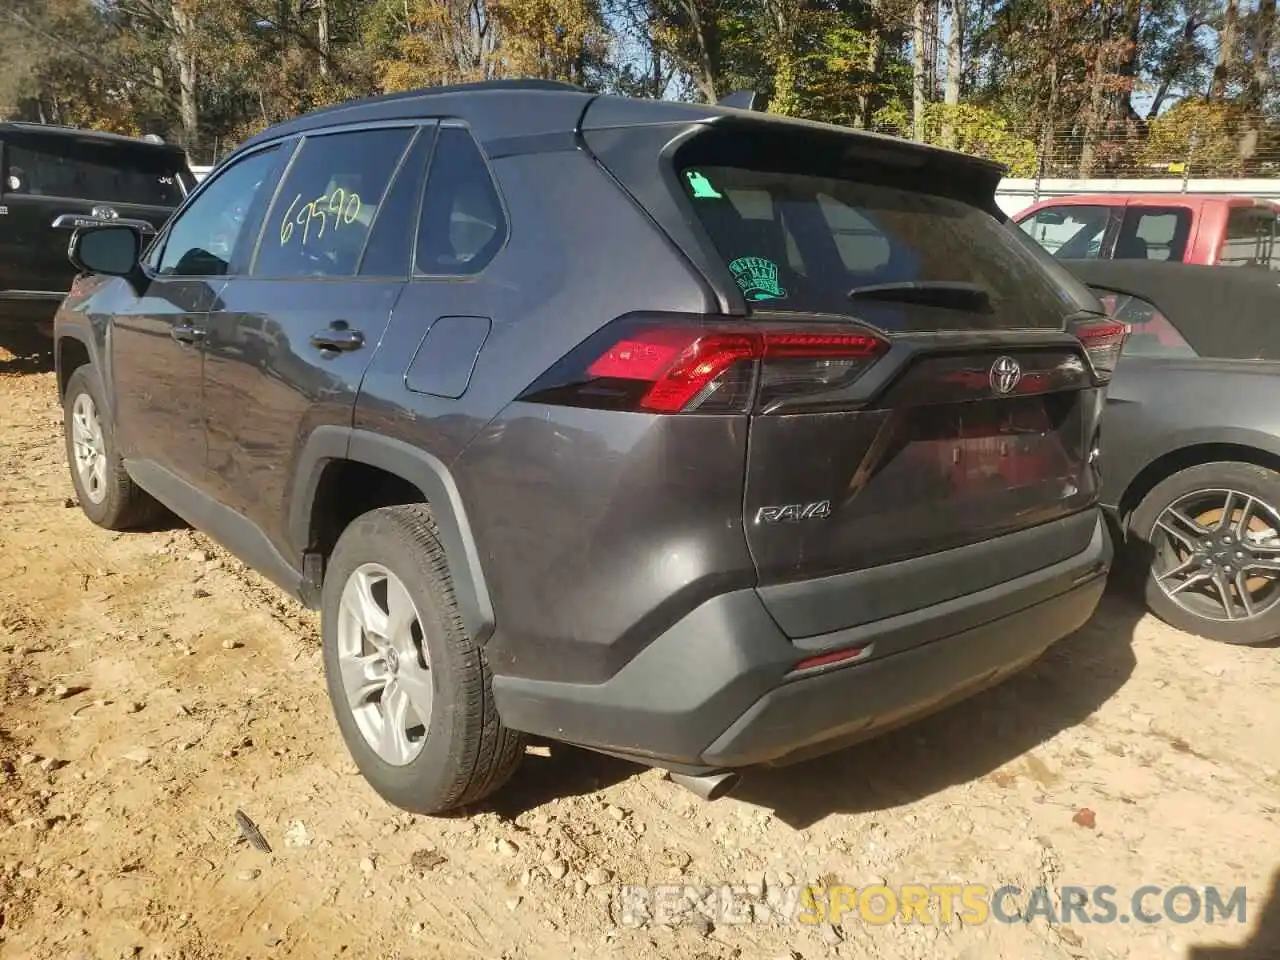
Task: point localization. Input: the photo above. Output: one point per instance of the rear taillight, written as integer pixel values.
(1102, 339)
(695, 365)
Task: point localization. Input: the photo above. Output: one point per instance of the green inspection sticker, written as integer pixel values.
(701, 186)
(757, 277)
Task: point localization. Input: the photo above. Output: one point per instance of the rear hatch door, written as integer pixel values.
(975, 417)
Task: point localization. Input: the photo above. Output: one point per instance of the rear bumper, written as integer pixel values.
(717, 689)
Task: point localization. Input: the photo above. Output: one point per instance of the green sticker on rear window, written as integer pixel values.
(701, 186)
(757, 277)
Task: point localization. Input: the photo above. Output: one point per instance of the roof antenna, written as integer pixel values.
(740, 100)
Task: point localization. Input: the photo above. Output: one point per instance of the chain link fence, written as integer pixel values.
(1236, 148)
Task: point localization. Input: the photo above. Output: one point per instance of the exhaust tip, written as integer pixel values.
(707, 786)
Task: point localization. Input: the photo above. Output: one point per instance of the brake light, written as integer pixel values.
(696, 365)
(679, 366)
(1103, 340)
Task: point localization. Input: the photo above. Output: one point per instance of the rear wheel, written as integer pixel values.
(1210, 537)
(410, 689)
(107, 494)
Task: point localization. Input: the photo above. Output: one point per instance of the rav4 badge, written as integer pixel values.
(794, 512)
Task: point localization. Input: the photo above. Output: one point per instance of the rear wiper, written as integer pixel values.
(941, 293)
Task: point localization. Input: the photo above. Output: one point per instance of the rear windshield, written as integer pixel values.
(795, 241)
(102, 172)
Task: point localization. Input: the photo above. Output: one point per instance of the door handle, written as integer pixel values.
(338, 337)
(186, 333)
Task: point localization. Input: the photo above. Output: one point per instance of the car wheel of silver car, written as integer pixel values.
(410, 689)
(1210, 539)
(106, 493)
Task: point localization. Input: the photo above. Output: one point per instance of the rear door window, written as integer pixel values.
(101, 171)
(1070, 232)
(795, 241)
(325, 208)
(1154, 233)
(1251, 239)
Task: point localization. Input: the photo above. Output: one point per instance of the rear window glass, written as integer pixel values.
(103, 172)
(795, 241)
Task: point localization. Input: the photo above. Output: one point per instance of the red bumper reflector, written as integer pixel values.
(835, 656)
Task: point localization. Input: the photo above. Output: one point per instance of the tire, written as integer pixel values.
(1193, 491)
(110, 499)
(465, 753)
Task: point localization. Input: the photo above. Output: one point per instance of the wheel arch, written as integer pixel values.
(331, 448)
(1238, 446)
(71, 352)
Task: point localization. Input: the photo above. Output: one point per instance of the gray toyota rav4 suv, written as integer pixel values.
(683, 433)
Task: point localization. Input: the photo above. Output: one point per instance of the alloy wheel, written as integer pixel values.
(1217, 554)
(89, 448)
(384, 665)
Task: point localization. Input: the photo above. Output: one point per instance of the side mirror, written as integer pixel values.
(109, 250)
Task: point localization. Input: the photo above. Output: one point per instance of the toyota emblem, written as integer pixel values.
(1006, 374)
(104, 213)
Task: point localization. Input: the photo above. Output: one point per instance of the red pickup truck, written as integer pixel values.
(1187, 228)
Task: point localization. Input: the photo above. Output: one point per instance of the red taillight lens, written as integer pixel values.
(1103, 340)
(704, 366)
(680, 366)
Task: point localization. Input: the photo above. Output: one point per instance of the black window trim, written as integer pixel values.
(415, 124)
(291, 145)
(446, 123)
(162, 238)
(421, 131)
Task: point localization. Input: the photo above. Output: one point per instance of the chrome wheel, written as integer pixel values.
(1217, 554)
(89, 448)
(385, 670)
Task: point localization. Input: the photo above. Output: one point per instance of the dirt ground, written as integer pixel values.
(151, 686)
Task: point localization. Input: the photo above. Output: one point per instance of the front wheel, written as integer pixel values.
(1210, 539)
(410, 689)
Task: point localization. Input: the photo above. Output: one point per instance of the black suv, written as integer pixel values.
(55, 179)
(683, 433)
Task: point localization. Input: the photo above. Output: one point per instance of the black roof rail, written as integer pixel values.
(740, 99)
(480, 86)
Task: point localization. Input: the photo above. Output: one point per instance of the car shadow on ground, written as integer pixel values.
(962, 743)
(968, 740)
(553, 771)
(1265, 942)
(32, 352)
